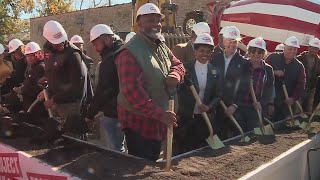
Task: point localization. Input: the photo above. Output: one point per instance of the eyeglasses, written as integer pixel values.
(253, 50)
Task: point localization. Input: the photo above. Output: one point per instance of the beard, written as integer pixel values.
(153, 34)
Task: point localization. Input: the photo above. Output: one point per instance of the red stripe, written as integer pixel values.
(278, 22)
(307, 5)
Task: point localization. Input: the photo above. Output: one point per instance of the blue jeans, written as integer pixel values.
(111, 135)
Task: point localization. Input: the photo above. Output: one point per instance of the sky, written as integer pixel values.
(87, 4)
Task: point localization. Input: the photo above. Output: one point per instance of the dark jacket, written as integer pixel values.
(31, 88)
(294, 77)
(66, 75)
(105, 95)
(217, 50)
(266, 96)
(232, 86)
(186, 100)
(19, 67)
(315, 71)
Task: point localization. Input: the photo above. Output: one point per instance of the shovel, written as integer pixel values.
(302, 114)
(169, 135)
(243, 138)
(292, 122)
(306, 126)
(263, 130)
(213, 140)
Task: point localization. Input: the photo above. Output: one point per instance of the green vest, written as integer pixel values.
(155, 66)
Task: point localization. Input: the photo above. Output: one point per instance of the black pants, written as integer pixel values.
(247, 118)
(141, 147)
(190, 135)
(223, 126)
(281, 111)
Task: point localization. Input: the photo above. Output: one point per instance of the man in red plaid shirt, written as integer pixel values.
(146, 69)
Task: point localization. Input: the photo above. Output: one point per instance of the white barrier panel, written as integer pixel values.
(292, 164)
(17, 165)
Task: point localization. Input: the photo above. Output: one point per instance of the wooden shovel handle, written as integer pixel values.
(287, 97)
(33, 104)
(254, 98)
(169, 138)
(204, 114)
(232, 118)
(46, 97)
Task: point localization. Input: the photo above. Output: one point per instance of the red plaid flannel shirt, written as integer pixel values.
(129, 72)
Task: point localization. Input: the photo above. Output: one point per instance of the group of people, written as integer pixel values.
(136, 78)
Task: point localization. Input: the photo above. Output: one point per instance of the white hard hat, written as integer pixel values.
(232, 32)
(1, 49)
(292, 41)
(98, 30)
(280, 47)
(223, 30)
(258, 43)
(129, 36)
(148, 8)
(315, 43)
(200, 28)
(54, 32)
(204, 39)
(76, 39)
(32, 47)
(116, 37)
(14, 44)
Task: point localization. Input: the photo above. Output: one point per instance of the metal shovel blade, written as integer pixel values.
(257, 131)
(215, 142)
(245, 139)
(303, 125)
(296, 122)
(268, 130)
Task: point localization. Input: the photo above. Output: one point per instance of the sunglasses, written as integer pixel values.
(253, 50)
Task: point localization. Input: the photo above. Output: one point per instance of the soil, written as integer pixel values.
(230, 163)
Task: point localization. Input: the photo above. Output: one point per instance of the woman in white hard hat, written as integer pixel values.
(262, 78)
(311, 62)
(16, 49)
(30, 88)
(192, 130)
(288, 70)
(5, 70)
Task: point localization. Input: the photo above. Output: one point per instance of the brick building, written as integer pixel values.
(118, 16)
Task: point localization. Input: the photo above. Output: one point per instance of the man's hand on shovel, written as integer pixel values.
(231, 109)
(169, 118)
(171, 82)
(48, 104)
(257, 105)
(289, 101)
(203, 108)
(41, 96)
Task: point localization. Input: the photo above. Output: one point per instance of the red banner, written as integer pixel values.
(10, 165)
(34, 176)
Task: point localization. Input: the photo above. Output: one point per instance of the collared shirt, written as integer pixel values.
(130, 72)
(227, 61)
(201, 73)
